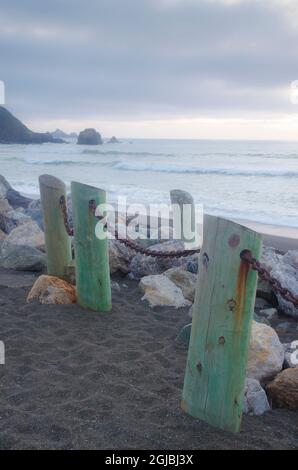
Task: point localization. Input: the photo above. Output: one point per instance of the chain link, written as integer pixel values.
(265, 275)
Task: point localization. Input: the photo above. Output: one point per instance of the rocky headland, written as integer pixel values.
(13, 131)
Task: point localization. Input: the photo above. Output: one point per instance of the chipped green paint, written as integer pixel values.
(92, 254)
(58, 243)
(222, 315)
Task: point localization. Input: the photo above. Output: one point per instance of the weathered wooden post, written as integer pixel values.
(91, 253)
(222, 314)
(184, 215)
(58, 243)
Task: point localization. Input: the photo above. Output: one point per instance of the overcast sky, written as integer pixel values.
(152, 68)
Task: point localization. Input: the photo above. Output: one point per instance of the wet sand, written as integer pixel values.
(74, 379)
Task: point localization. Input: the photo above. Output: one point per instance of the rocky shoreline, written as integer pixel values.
(272, 378)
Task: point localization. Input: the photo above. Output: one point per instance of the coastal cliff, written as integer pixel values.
(13, 131)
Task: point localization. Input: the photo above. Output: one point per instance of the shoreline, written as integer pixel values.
(281, 238)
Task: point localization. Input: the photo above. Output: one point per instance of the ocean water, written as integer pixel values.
(257, 181)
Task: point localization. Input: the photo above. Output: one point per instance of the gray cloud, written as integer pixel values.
(150, 58)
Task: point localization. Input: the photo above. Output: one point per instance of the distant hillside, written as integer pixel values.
(13, 131)
(59, 134)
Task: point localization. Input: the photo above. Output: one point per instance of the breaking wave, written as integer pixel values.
(126, 166)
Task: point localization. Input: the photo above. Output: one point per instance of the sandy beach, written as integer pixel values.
(281, 238)
(74, 379)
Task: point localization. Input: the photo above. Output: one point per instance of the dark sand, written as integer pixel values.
(80, 380)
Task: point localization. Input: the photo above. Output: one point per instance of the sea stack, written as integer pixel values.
(113, 140)
(89, 137)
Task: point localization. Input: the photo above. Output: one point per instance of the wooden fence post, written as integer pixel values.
(185, 217)
(222, 314)
(91, 253)
(58, 243)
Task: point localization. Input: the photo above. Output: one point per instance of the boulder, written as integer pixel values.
(11, 219)
(284, 267)
(16, 200)
(89, 137)
(120, 257)
(28, 234)
(283, 391)
(266, 353)
(160, 291)
(259, 319)
(255, 398)
(270, 257)
(13, 131)
(291, 258)
(4, 186)
(269, 313)
(287, 275)
(21, 258)
(291, 354)
(52, 290)
(4, 206)
(142, 265)
(2, 235)
(185, 280)
(13, 197)
(265, 293)
(34, 211)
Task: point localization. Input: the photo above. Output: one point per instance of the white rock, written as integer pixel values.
(285, 269)
(287, 275)
(185, 280)
(255, 398)
(291, 257)
(269, 257)
(289, 349)
(269, 313)
(266, 353)
(27, 234)
(160, 291)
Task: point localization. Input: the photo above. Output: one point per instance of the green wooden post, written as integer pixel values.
(222, 314)
(58, 243)
(91, 253)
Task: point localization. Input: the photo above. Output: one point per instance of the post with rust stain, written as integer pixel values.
(58, 243)
(222, 315)
(91, 252)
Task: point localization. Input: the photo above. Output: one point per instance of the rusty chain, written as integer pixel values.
(141, 249)
(265, 275)
(129, 243)
(245, 255)
(67, 226)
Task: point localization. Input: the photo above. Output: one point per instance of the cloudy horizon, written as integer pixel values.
(153, 68)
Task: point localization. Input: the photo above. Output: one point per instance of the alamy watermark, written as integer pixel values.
(2, 93)
(152, 221)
